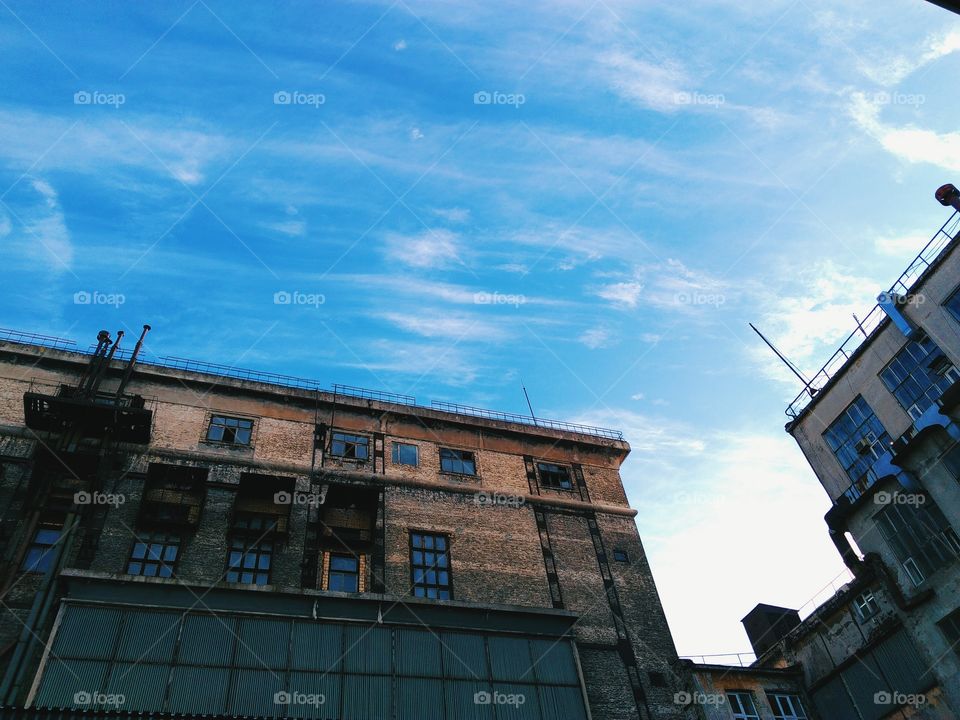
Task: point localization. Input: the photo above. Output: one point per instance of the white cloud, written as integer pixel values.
(400, 44)
(293, 228)
(637, 396)
(595, 338)
(454, 214)
(623, 294)
(652, 86)
(904, 245)
(428, 249)
(44, 235)
(438, 325)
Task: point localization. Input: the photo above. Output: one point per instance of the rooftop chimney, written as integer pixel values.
(766, 625)
(948, 196)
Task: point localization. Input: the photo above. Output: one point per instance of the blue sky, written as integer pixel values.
(593, 198)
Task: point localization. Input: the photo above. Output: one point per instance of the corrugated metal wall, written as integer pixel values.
(247, 665)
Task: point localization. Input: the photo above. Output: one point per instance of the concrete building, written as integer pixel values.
(879, 426)
(190, 538)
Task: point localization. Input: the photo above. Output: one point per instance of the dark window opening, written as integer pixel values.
(460, 462)
(657, 679)
(786, 707)
(154, 554)
(918, 375)
(40, 553)
(554, 476)
(865, 606)
(950, 627)
(230, 430)
(920, 537)
(953, 304)
(857, 439)
(344, 573)
(405, 454)
(252, 545)
(621, 556)
(430, 566)
(742, 707)
(349, 447)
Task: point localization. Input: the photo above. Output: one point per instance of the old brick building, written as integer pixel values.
(196, 539)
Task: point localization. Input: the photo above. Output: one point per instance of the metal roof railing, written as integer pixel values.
(903, 286)
(526, 420)
(380, 395)
(25, 338)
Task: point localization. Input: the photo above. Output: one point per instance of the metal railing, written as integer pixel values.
(526, 420)
(903, 285)
(25, 338)
(741, 659)
(379, 395)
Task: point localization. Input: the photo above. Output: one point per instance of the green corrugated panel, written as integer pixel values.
(327, 685)
(464, 656)
(255, 692)
(418, 653)
(368, 649)
(367, 697)
(561, 703)
(901, 664)
(862, 679)
(87, 632)
(507, 704)
(207, 640)
(553, 662)
(510, 658)
(465, 700)
(420, 699)
(833, 701)
(149, 636)
(198, 690)
(263, 643)
(63, 679)
(317, 646)
(143, 685)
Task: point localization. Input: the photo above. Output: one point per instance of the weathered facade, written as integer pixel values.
(879, 426)
(206, 541)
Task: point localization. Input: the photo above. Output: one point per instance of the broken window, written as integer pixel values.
(786, 707)
(918, 375)
(554, 476)
(459, 462)
(857, 439)
(742, 707)
(349, 447)
(430, 565)
(40, 553)
(919, 535)
(230, 430)
(154, 554)
(405, 454)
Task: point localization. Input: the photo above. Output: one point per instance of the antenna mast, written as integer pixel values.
(528, 402)
(790, 365)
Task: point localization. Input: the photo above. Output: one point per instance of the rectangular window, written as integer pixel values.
(554, 476)
(230, 430)
(918, 375)
(460, 462)
(430, 565)
(742, 707)
(344, 573)
(251, 549)
(953, 304)
(865, 606)
(950, 627)
(919, 535)
(857, 439)
(786, 707)
(621, 556)
(40, 553)
(349, 447)
(405, 454)
(154, 554)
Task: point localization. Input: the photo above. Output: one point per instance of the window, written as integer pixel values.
(857, 439)
(920, 537)
(40, 553)
(950, 627)
(621, 556)
(657, 679)
(554, 476)
(460, 462)
(405, 454)
(918, 375)
(349, 447)
(251, 549)
(154, 554)
(786, 707)
(230, 430)
(865, 606)
(344, 573)
(430, 565)
(953, 304)
(741, 704)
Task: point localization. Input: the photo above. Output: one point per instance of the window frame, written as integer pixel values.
(914, 554)
(950, 629)
(953, 297)
(567, 471)
(342, 573)
(620, 555)
(865, 429)
(42, 564)
(910, 378)
(797, 710)
(744, 714)
(252, 542)
(448, 569)
(396, 456)
(149, 539)
(867, 600)
(461, 460)
(348, 440)
(225, 425)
